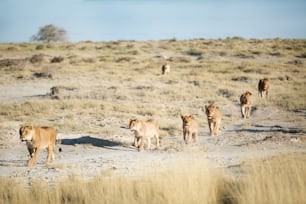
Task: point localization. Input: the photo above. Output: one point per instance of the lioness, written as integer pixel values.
(246, 104)
(190, 128)
(165, 69)
(263, 86)
(144, 130)
(214, 117)
(38, 138)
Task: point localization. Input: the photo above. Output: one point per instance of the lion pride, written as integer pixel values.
(263, 86)
(190, 128)
(246, 104)
(144, 130)
(38, 138)
(214, 117)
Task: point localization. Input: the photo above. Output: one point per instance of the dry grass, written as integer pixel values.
(280, 179)
(123, 79)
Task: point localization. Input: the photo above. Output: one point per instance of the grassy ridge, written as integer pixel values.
(280, 179)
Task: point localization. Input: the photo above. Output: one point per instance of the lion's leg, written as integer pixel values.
(31, 151)
(188, 134)
(248, 112)
(216, 129)
(260, 94)
(141, 146)
(211, 128)
(149, 142)
(136, 141)
(185, 136)
(157, 140)
(267, 93)
(50, 156)
(33, 160)
(217, 126)
(243, 111)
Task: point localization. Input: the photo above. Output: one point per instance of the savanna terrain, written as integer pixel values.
(89, 91)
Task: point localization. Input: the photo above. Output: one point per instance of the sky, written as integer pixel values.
(112, 20)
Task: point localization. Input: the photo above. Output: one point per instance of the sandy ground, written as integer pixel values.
(269, 131)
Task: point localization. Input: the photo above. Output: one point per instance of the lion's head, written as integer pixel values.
(246, 98)
(211, 110)
(135, 124)
(26, 132)
(187, 120)
(248, 94)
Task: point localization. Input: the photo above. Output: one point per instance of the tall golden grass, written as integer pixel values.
(280, 179)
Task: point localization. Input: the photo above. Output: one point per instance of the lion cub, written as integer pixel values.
(144, 130)
(214, 117)
(190, 128)
(38, 138)
(246, 104)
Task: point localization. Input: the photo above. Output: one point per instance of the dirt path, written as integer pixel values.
(23, 90)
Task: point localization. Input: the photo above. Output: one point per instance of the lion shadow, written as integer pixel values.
(270, 129)
(12, 163)
(97, 142)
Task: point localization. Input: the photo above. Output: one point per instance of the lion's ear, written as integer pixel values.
(31, 126)
(206, 106)
(182, 116)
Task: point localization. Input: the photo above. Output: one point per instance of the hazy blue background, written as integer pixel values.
(104, 20)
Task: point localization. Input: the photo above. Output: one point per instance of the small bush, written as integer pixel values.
(11, 62)
(11, 48)
(241, 79)
(303, 55)
(57, 59)
(89, 60)
(225, 93)
(244, 54)
(193, 52)
(39, 47)
(37, 58)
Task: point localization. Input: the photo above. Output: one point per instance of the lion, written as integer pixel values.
(190, 128)
(38, 138)
(263, 86)
(246, 104)
(165, 69)
(214, 117)
(144, 130)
